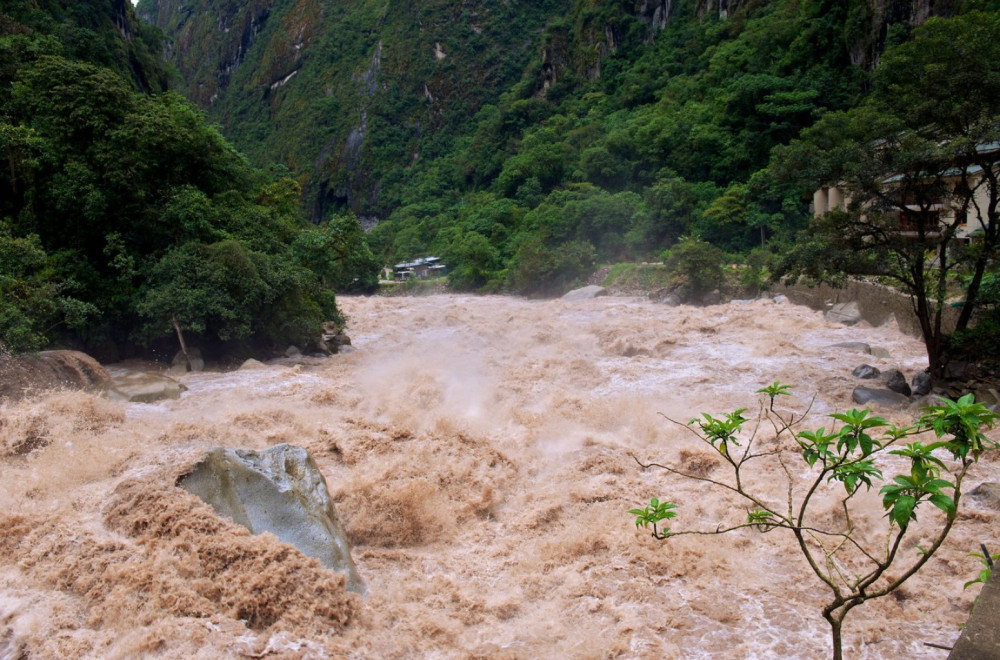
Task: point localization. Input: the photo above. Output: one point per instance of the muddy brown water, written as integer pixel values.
(478, 452)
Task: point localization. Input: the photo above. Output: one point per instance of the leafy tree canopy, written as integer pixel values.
(124, 212)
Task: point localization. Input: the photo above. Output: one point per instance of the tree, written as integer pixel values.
(337, 252)
(33, 302)
(696, 265)
(857, 557)
(472, 260)
(924, 140)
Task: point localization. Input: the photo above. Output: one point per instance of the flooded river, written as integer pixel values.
(477, 449)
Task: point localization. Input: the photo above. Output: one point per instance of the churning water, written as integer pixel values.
(478, 452)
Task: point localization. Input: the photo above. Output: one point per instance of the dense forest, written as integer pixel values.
(527, 142)
(125, 216)
(524, 143)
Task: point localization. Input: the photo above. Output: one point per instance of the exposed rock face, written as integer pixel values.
(276, 63)
(655, 14)
(231, 34)
(280, 491)
(49, 370)
(585, 293)
(141, 387)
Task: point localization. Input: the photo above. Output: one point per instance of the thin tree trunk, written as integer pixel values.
(836, 638)
(180, 338)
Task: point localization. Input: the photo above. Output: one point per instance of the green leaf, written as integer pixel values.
(903, 510)
(943, 502)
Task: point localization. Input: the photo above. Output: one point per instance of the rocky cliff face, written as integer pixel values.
(878, 22)
(206, 41)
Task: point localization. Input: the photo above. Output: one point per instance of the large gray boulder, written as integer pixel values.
(46, 370)
(141, 387)
(585, 293)
(847, 313)
(867, 395)
(281, 491)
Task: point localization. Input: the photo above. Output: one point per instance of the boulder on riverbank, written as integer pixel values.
(585, 293)
(21, 375)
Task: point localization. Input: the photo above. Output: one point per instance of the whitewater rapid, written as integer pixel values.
(478, 451)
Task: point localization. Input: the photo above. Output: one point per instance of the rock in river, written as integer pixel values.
(141, 387)
(49, 370)
(865, 395)
(279, 490)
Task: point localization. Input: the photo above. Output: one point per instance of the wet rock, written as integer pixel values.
(867, 395)
(980, 639)
(293, 351)
(193, 361)
(19, 376)
(857, 346)
(337, 342)
(866, 371)
(921, 383)
(896, 381)
(141, 387)
(847, 313)
(879, 352)
(585, 293)
(986, 494)
(252, 364)
(280, 491)
(781, 298)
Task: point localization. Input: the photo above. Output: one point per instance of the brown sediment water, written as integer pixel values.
(477, 449)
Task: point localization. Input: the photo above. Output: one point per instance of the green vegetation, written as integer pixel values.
(123, 213)
(858, 558)
(525, 144)
(925, 139)
(445, 123)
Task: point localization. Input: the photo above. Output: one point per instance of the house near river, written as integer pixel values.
(419, 269)
(931, 200)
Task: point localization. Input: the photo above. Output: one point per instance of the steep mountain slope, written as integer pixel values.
(525, 142)
(348, 95)
(106, 33)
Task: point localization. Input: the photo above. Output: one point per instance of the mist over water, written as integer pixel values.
(477, 449)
